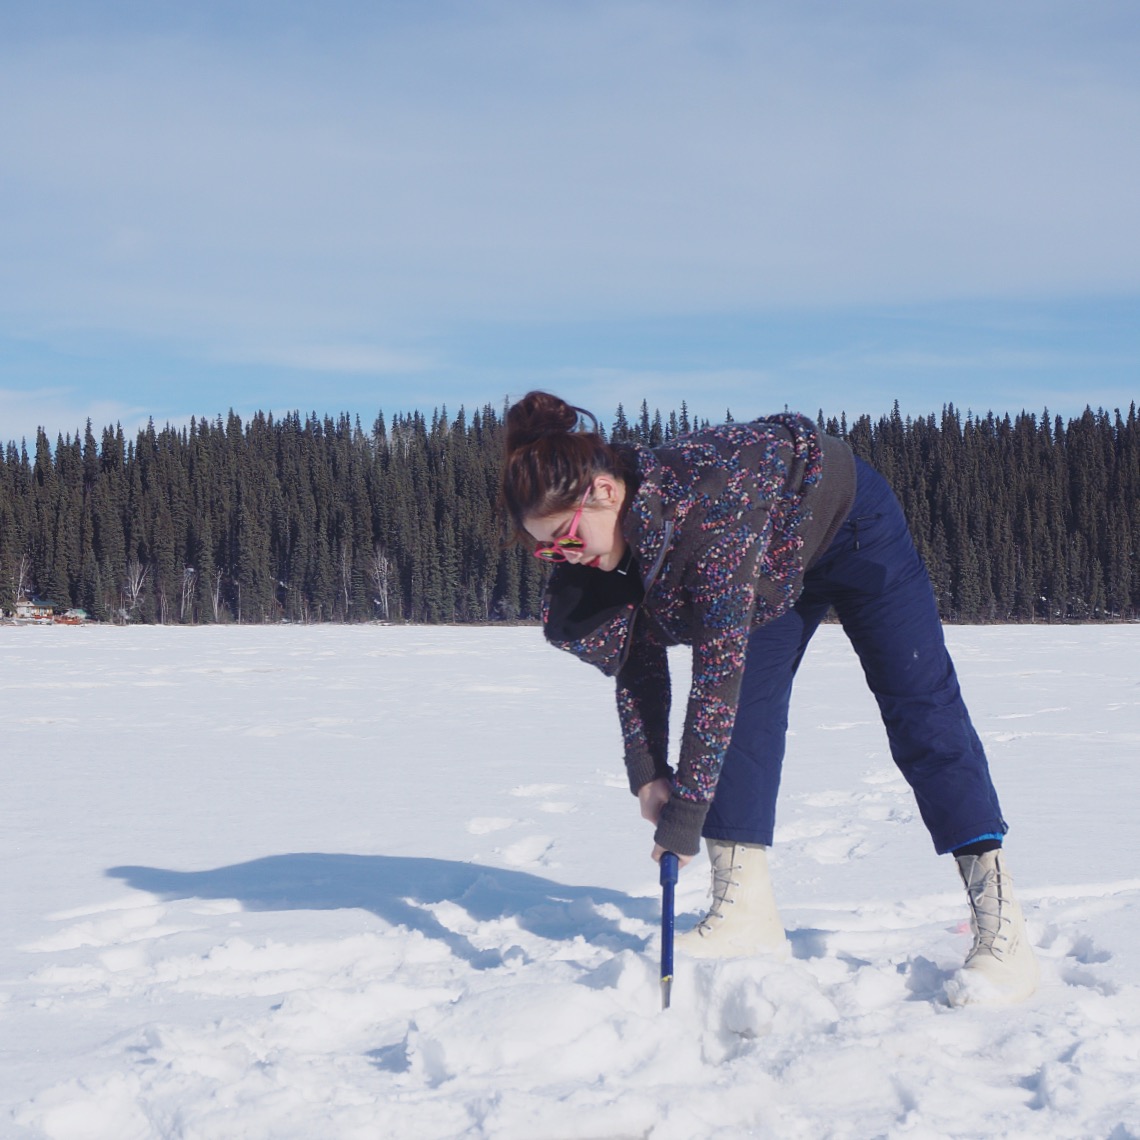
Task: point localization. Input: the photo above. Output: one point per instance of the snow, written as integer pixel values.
(323, 881)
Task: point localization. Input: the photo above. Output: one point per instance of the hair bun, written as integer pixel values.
(539, 414)
(553, 452)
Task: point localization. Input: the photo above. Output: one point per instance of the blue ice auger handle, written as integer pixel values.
(669, 868)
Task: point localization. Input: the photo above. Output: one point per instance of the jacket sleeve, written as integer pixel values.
(721, 583)
(643, 698)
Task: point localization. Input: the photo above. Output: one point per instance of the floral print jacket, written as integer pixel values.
(722, 524)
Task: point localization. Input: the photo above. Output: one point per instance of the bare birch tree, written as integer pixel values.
(381, 568)
(22, 577)
(345, 577)
(189, 577)
(216, 594)
(133, 588)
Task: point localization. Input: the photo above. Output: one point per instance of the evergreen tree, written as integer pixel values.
(1018, 518)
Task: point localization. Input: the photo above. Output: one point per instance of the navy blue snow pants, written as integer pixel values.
(873, 576)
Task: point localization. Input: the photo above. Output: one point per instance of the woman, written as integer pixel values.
(737, 540)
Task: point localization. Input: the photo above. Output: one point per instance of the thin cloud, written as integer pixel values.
(61, 412)
(640, 160)
(983, 360)
(351, 359)
(348, 182)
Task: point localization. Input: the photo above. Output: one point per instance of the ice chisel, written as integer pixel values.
(668, 882)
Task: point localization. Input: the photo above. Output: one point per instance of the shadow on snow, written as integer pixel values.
(401, 891)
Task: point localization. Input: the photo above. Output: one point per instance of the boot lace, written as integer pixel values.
(989, 915)
(722, 881)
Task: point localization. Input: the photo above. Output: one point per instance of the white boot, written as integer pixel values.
(742, 919)
(1001, 967)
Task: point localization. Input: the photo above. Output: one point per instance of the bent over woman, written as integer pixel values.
(737, 540)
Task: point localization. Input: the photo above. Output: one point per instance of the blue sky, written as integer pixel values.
(356, 206)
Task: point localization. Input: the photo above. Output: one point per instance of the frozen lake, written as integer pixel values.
(329, 881)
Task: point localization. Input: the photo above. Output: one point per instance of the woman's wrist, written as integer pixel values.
(679, 826)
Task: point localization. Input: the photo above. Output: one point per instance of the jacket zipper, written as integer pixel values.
(658, 562)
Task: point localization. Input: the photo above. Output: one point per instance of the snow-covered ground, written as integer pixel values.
(340, 882)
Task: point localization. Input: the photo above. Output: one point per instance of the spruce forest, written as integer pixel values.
(317, 519)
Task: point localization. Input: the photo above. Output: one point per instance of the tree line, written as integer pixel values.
(317, 519)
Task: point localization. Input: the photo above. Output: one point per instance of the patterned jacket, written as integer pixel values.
(722, 525)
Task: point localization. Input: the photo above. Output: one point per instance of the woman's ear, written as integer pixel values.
(609, 491)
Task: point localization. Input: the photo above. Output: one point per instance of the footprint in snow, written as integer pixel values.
(132, 920)
(531, 791)
(838, 848)
(1061, 941)
(484, 825)
(527, 852)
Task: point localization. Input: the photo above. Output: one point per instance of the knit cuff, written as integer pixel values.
(642, 769)
(679, 826)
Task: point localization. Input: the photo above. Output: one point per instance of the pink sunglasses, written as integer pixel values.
(555, 551)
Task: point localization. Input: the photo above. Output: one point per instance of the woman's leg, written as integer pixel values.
(744, 807)
(880, 589)
(743, 917)
(884, 600)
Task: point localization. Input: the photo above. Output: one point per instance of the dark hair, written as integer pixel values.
(551, 455)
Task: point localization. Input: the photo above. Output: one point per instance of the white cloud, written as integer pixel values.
(339, 193)
(982, 361)
(588, 159)
(352, 359)
(61, 412)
